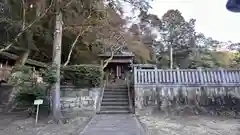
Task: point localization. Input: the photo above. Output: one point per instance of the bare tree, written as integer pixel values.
(26, 27)
(77, 38)
(114, 43)
(99, 27)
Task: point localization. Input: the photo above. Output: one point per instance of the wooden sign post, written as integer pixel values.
(37, 102)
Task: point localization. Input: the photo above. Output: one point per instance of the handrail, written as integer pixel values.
(129, 94)
(103, 85)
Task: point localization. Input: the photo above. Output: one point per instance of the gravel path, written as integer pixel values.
(190, 125)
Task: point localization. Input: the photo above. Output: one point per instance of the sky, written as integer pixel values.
(212, 17)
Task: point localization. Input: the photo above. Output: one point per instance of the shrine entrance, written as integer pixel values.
(119, 67)
(117, 71)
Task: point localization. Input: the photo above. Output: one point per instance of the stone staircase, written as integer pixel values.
(115, 100)
(2, 107)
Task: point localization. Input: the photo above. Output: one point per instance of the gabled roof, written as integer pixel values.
(108, 54)
(29, 61)
(121, 52)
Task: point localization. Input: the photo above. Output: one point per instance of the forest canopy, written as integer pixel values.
(90, 26)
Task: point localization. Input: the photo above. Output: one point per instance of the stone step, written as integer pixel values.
(116, 90)
(115, 100)
(114, 103)
(116, 87)
(114, 112)
(125, 107)
(2, 105)
(115, 96)
(115, 93)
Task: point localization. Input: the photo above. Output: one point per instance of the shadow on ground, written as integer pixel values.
(20, 124)
(186, 122)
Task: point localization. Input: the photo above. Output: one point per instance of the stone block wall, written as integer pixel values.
(79, 99)
(5, 91)
(168, 99)
(73, 99)
(145, 98)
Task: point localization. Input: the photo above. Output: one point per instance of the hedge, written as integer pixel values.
(82, 76)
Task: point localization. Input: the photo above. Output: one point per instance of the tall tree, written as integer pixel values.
(57, 51)
(91, 8)
(177, 35)
(148, 25)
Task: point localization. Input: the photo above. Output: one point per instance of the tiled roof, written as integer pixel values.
(29, 61)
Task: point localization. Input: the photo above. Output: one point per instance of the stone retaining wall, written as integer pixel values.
(73, 99)
(168, 99)
(145, 98)
(5, 91)
(79, 99)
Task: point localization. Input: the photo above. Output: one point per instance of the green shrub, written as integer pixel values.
(26, 87)
(82, 76)
(48, 75)
(27, 96)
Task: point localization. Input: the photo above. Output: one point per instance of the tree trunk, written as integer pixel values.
(57, 44)
(152, 54)
(21, 60)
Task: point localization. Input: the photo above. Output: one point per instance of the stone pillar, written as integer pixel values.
(117, 72)
(120, 72)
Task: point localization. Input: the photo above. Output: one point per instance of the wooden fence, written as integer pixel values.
(187, 77)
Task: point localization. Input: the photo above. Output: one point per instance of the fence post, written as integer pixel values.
(156, 75)
(200, 75)
(223, 75)
(178, 75)
(135, 75)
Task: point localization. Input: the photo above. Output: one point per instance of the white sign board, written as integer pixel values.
(38, 102)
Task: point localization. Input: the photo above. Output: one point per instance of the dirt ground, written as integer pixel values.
(22, 125)
(157, 124)
(190, 125)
